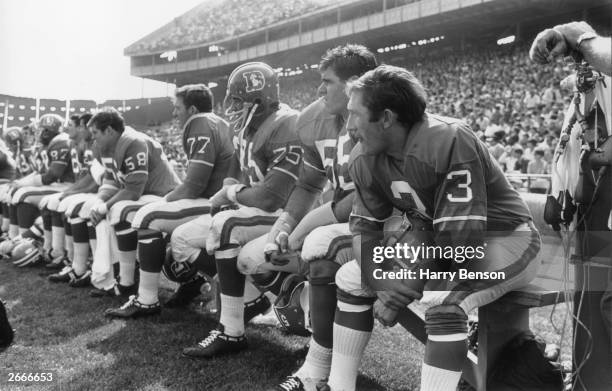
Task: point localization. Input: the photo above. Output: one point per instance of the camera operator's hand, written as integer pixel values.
(558, 41)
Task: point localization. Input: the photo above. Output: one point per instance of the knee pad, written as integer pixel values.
(445, 319)
(262, 280)
(322, 272)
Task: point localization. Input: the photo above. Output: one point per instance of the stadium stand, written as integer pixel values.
(232, 17)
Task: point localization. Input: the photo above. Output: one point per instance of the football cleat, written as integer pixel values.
(291, 383)
(116, 291)
(68, 275)
(185, 293)
(216, 344)
(133, 309)
(259, 306)
(26, 253)
(82, 281)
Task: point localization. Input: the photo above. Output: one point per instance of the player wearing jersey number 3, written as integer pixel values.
(436, 171)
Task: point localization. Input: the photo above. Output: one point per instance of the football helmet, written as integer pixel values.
(180, 272)
(252, 94)
(49, 126)
(292, 306)
(25, 253)
(13, 138)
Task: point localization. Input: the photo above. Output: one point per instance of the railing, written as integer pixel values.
(526, 182)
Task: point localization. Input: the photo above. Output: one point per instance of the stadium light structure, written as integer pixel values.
(212, 84)
(169, 55)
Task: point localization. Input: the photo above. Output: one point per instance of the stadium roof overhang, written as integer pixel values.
(466, 19)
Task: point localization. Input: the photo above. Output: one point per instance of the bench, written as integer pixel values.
(505, 318)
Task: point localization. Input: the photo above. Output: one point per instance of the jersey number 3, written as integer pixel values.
(463, 182)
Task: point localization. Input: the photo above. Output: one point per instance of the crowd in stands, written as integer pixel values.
(516, 107)
(226, 19)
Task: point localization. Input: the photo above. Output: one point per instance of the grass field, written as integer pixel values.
(62, 329)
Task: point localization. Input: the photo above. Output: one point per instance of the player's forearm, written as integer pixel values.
(342, 208)
(260, 197)
(300, 202)
(80, 185)
(123, 195)
(182, 192)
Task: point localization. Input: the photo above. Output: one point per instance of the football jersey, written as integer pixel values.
(139, 162)
(208, 146)
(445, 174)
(327, 146)
(274, 146)
(81, 157)
(56, 158)
(25, 162)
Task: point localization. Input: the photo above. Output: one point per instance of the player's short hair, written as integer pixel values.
(106, 117)
(348, 60)
(197, 95)
(75, 118)
(84, 119)
(393, 88)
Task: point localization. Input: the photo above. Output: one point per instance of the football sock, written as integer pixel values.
(148, 287)
(151, 250)
(69, 241)
(47, 224)
(26, 214)
(127, 242)
(231, 285)
(205, 263)
(81, 245)
(317, 363)
(353, 326)
(444, 358)
(14, 225)
(57, 234)
(91, 232)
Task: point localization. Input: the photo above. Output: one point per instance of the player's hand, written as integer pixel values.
(95, 217)
(385, 315)
(558, 41)
(98, 213)
(220, 199)
(398, 295)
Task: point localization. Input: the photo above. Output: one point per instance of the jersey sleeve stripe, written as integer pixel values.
(202, 162)
(58, 162)
(292, 175)
(369, 218)
(459, 218)
(314, 167)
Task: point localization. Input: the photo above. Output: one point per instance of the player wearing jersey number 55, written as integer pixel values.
(435, 170)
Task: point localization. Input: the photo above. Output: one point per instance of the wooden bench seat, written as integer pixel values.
(508, 316)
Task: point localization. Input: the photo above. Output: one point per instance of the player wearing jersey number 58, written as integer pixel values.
(436, 171)
(137, 172)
